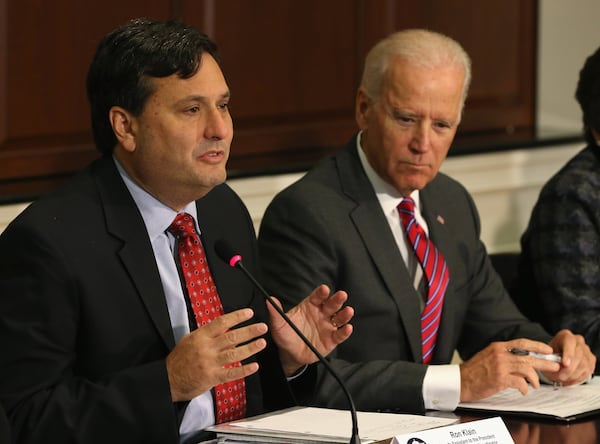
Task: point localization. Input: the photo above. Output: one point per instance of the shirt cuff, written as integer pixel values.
(441, 387)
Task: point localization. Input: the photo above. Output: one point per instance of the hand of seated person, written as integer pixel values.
(322, 318)
(578, 362)
(198, 361)
(495, 368)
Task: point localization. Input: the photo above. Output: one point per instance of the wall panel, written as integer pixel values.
(500, 39)
(293, 68)
(45, 130)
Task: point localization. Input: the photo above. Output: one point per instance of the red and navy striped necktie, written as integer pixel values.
(436, 273)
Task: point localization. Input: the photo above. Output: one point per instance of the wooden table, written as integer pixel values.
(529, 431)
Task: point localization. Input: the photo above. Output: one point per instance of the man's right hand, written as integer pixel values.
(495, 368)
(197, 363)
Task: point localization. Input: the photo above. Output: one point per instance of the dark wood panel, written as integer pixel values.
(293, 68)
(500, 37)
(45, 126)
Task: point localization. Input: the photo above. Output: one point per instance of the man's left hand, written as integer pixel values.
(578, 361)
(322, 318)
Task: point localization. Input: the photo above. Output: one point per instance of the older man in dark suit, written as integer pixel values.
(118, 323)
(379, 221)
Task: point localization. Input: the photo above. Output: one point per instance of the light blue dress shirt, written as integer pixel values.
(158, 217)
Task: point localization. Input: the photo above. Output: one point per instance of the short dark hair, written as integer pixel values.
(125, 60)
(588, 96)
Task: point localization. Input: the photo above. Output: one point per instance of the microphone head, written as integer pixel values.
(227, 253)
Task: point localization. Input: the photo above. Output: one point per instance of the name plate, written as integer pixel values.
(484, 431)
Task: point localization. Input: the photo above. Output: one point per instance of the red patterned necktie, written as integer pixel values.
(436, 273)
(230, 397)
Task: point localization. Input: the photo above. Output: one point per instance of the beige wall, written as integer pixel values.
(568, 32)
(8, 212)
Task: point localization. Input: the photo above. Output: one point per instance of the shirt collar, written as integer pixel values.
(157, 216)
(388, 196)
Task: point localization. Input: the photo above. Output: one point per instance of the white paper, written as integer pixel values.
(332, 425)
(563, 402)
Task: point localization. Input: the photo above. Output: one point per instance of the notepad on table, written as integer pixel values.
(548, 402)
(311, 424)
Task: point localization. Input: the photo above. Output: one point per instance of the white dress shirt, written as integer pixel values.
(441, 386)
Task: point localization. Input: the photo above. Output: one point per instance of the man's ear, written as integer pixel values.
(122, 123)
(362, 108)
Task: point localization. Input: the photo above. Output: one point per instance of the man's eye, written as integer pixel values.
(223, 106)
(404, 119)
(193, 109)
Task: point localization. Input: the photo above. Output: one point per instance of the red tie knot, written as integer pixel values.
(407, 205)
(406, 210)
(182, 225)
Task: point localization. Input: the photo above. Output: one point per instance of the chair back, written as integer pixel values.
(507, 266)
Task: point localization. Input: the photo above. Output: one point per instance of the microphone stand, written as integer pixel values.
(235, 260)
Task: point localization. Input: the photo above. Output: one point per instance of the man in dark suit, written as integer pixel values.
(342, 224)
(94, 317)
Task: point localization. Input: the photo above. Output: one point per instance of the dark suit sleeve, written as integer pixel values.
(51, 386)
(477, 309)
(301, 246)
(4, 426)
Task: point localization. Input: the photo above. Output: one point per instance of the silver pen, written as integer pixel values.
(551, 357)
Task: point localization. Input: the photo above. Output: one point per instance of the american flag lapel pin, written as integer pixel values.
(440, 219)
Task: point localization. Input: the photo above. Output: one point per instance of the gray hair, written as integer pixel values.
(419, 47)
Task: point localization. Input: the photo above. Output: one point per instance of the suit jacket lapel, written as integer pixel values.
(124, 221)
(372, 225)
(234, 289)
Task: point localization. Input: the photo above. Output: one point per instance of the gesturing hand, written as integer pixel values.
(321, 318)
(197, 363)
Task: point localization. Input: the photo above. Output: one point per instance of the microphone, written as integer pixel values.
(229, 256)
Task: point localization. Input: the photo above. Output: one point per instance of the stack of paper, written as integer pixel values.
(329, 426)
(558, 403)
